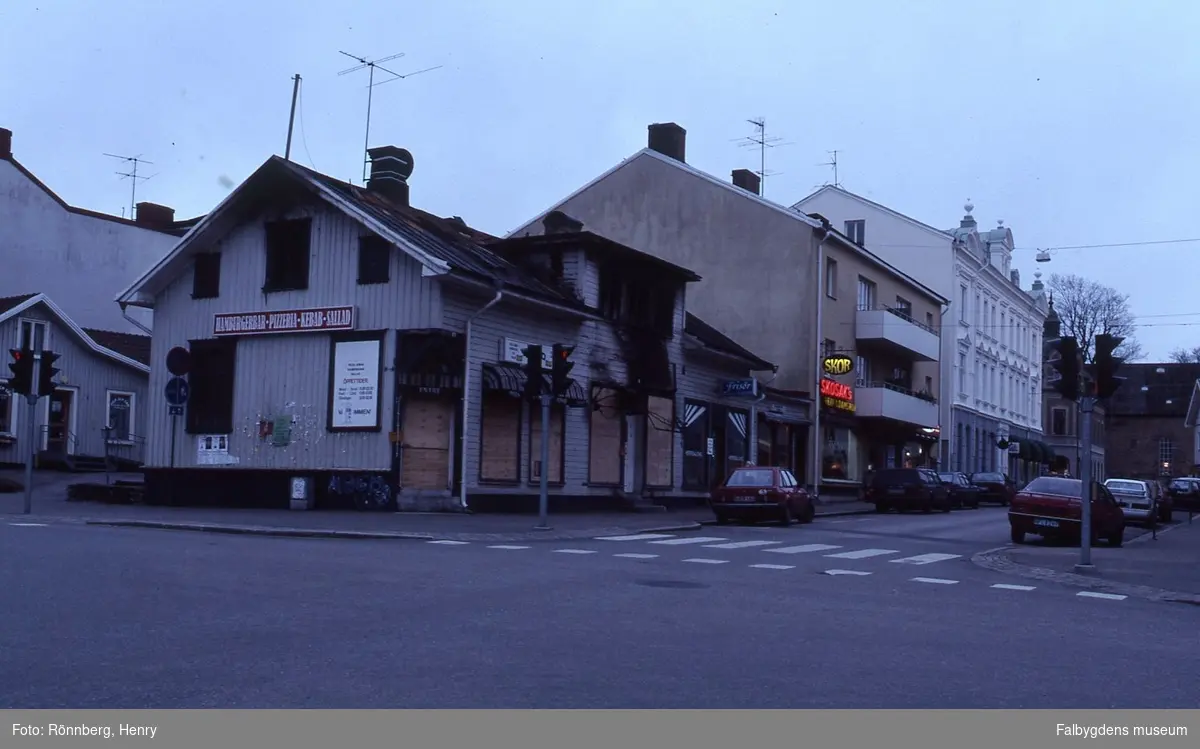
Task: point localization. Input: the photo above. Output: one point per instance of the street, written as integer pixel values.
(852, 612)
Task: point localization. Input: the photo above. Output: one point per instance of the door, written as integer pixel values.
(425, 452)
(58, 422)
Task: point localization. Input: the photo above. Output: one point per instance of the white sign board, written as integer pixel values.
(213, 450)
(510, 351)
(356, 385)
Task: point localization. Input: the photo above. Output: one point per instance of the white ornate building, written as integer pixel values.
(991, 331)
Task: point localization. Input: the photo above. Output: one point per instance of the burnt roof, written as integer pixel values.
(131, 345)
(715, 339)
(604, 247)
(1174, 383)
(9, 302)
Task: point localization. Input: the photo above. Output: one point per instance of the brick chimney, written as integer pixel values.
(154, 216)
(669, 139)
(747, 180)
(557, 222)
(5, 143)
(390, 169)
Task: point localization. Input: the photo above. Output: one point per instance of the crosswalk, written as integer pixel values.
(831, 551)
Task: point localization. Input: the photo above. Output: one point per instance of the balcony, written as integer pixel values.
(894, 330)
(883, 400)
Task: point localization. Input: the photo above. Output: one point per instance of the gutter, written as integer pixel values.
(818, 441)
(135, 323)
(466, 399)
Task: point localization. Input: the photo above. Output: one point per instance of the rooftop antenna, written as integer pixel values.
(763, 142)
(133, 177)
(832, 163)
(370, 65)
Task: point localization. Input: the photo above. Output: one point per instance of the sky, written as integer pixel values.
(1071, 121)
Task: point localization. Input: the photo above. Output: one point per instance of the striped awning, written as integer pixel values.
(509, 378)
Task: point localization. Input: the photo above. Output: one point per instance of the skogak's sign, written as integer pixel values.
(837, 395)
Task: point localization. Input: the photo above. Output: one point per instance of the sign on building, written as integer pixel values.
(735, 388)
(309, 320)
(836, 395)
(836, 366)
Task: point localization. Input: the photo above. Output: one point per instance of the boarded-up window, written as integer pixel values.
(558, 427)
(660, 441)
(500, 438)
(604, 439)
(425, 455)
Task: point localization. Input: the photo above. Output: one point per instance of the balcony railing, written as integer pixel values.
(897, 329)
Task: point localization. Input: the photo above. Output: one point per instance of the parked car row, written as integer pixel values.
(926, 490)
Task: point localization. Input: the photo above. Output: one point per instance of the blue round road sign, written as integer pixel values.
(176, 391)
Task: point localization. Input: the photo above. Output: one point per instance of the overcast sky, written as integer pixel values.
(1074, 122)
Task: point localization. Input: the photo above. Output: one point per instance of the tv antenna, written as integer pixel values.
(133, 176)
(762, 142)
(371, 65)
(832, 163)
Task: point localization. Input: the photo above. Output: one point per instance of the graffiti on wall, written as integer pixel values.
(368, 491)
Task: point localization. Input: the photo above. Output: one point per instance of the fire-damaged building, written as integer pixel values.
(335, 333)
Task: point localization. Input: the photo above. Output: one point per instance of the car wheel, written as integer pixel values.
(785, 518)
(722, 519)
(808, 514)
(1017, 536)
(1117, 537)
(881, 507)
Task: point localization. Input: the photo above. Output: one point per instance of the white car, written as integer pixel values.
(1137, 500)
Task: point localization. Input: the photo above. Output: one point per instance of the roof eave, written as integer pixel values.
(74, 328)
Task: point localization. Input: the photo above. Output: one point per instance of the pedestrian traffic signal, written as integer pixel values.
(46, 375)
(561, 366)
(1068, 367)
(1107, 365)
(533, 370)
(21, 367)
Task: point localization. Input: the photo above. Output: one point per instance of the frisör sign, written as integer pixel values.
(836, 395)
(313, 320)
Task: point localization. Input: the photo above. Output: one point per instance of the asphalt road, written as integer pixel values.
(95, 617)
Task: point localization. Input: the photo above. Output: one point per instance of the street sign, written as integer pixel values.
(179, 361)
(175, 410)
(176, 391)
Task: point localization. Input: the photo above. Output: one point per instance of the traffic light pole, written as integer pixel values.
(31, 432)
(544, 490)
(1086, 406)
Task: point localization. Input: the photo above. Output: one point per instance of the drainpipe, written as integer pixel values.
(135, 323)
(946, 383)
(815, 476)
(753, 426)
(466, 389)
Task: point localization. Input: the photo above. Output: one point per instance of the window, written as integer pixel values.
(929, 320)
(35, 335)
(206, 275)
(830, 346)
(7, 409)
(862, 366)
(866, 293)
(695, 445)
(1166, 453)
(1003, 331)
(903, 306)
(628, 300)
(978, 320)
(211, 386)
(120, 415)
(374, 260)
(605, 436)
(558, 454)
(856, 230)
(962, 302)
(929, 386)
(500, 437)
(839, 456)
(287, 255)
(962, 373)
(831, 278)
(1058, 422)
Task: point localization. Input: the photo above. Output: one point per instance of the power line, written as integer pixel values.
(1054, 248)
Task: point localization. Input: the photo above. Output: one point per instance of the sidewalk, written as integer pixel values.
(50, 505)
(1166, 569)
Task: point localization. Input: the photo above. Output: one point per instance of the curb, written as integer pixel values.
(250, 530)
(997, 560)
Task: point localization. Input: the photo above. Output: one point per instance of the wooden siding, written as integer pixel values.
(289, 374)
(89, 374)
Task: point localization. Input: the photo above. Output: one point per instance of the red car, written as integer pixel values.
(758, 492)
(1050, 506)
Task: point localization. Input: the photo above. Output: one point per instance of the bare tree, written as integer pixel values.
(1087, 308)
(1186, 356)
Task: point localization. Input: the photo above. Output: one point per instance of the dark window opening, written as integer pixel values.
(856, 230)
(556, 265)
(206, 276)
(211, 386)
(287, 255)
(695, 445)
(638, 302)
(374, 260)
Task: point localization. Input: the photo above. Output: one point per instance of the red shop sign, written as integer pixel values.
(837, 395)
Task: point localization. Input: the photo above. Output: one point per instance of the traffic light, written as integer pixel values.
(1107, 365)
(46, 375)
(1067, 366)
(533, 370)
(561, 366)
(21, 367)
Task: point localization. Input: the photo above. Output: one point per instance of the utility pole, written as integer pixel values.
(1087, 405)
(31, 401)
(287, 154)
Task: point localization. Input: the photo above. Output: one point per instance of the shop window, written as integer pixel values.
(7, 409)
(604, 438)
(660, 442)
(211, 386)
(695, 445)
(287, 255)
(839, 455)
(206, 275)
(500, 438)
(120, 416)
(781, 445)
(558, 454)
(737, 440)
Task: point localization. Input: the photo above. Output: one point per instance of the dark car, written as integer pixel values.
(1051, 507)
(962, 492)
(907, 489)
(994, 487)
(1185, 493)
(757, 492)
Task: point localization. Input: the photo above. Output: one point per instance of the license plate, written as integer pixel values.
(1046, 523)
(895, 491)
(743, 499)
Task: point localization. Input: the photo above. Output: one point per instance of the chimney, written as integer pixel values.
(5, 143)
(154, 216)
(747, 180)
(390, 169)
(557, 222)
(669, 139)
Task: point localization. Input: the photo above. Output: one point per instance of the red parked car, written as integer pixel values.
(757, 492)
(1050, 506)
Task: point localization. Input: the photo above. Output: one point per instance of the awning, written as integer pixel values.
(511, 379)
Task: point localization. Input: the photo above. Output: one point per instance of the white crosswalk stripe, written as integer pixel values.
(934, 581)
(637, 556)
(925, 559)
(689, 540)
(1105, 596)
(1006, 586)
(445, 542)
(636, 537)
(805, 549)
(855, 573)
(707, 561)
(774, 566)
(574, 551)
(743, 545)
(502, 546)
(863, 553)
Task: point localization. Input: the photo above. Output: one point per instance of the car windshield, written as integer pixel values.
(1181, 484)
(997, 477)
(1056, 487)
(755, 477)
(1125, 487)
(949, 478)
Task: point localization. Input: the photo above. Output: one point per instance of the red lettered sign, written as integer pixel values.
(836, 395)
